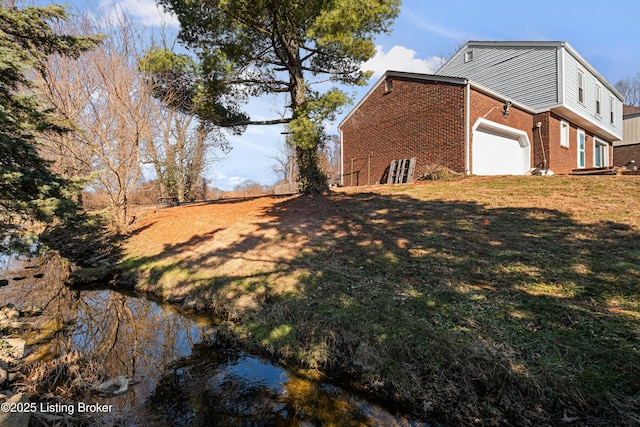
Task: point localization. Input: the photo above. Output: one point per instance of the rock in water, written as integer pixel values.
(114, 386)
(4, 373)
(16, 418)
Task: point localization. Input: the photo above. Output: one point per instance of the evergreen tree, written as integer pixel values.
(28, 189)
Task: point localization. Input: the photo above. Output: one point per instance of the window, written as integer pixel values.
(598, 100)
(581, 86)
(612, 108)
(388, 85)
(468, 56)
(600, 153)
(581, 144)
(564, 134)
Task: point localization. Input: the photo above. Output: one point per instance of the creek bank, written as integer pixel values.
(356, 362)
(20, 407)
(358, 369)
(12, 351)
(178, 368)
(92, 251)
(33, 386)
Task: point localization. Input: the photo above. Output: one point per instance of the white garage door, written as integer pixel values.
(499, 153)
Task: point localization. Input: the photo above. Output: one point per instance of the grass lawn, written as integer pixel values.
(480, 300)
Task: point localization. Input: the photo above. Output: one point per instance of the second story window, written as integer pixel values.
(581, 86)
(598, 100)
(612, 109)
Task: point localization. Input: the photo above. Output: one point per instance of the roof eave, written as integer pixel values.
(591, 69)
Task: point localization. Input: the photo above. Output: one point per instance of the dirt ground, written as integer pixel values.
(194, 227)
(155, 231)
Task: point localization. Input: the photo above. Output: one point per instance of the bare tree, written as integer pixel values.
(250, 188)
(103, 97)
(330, 159)
(285, 166)
(178, 151)
(629, 87)
(123, 118)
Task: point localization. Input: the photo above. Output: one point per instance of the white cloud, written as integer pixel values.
(432, 27)
(147, 12)
(236, 180)
(400, 58)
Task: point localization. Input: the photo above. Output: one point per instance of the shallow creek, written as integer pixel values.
(181, 374)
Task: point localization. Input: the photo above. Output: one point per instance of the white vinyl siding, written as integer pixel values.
(528, 74)
(587, 108)
(631, 130)
(542, 75)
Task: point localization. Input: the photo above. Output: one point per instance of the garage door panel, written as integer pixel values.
(498, 154)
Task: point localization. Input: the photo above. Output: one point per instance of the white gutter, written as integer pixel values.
(467, 128)
(561, 85)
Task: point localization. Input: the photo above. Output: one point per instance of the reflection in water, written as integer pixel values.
(229, 388)
(183, 377)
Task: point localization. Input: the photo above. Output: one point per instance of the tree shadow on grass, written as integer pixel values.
(474, 313)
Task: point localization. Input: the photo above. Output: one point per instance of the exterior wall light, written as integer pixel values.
(505, 109)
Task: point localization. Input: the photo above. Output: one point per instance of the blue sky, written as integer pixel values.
(426, 32)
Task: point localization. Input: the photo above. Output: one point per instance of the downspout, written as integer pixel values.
(467, 128)
(545, 170)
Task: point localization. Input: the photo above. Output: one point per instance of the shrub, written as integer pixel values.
(436, 172)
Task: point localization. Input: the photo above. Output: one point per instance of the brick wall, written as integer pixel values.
(542, 145)
(425, 119)
(416, 118)
(562, 160)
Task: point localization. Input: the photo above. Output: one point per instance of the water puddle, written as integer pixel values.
(182, 375)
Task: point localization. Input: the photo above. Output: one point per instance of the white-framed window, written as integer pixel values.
(564, 134)
(612, 110)
(600, 153)
(582, 141)
(468, 55)
(388, 85)
(598, 100)
(580, 86)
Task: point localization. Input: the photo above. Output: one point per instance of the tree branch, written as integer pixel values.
(259, 122)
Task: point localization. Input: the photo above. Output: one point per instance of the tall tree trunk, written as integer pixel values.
(311, 179)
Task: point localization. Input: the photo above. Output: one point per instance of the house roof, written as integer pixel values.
(435, 78)
(629, 110)
(554, 44)
(460, 81)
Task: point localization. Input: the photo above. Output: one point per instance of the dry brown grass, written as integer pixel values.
(481, 300)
